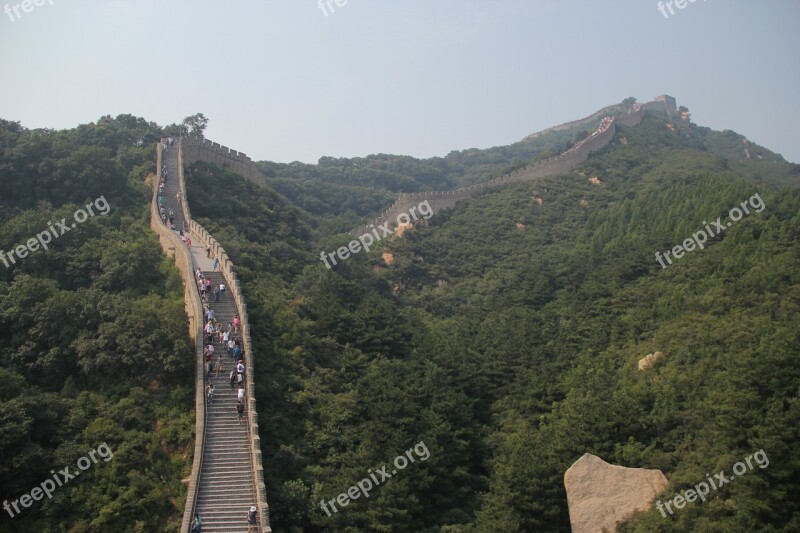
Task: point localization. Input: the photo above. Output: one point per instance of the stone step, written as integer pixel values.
(220, 451)
(224, 494)
(232, 468)
(219, 462)
(227, 482)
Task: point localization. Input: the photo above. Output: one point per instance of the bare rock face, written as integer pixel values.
(600, 494)
(649, 360)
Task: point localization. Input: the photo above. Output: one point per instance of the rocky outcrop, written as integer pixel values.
(649, 360)
(600, 494)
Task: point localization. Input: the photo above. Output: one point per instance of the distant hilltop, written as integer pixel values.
(627, 113)
(662, 103)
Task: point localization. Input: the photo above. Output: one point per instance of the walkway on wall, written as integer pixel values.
(226, 488)
(559, 164)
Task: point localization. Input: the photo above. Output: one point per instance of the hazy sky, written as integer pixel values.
(283, 81)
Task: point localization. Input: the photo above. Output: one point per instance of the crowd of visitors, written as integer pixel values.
(166, 218)
(226, 336)
(215, 332)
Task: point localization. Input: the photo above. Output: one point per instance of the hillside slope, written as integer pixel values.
(505, 337)
(94, 355)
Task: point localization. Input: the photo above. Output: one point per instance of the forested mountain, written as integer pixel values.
(503, 336)
(344, 191)
(94, 351)
(506, 334)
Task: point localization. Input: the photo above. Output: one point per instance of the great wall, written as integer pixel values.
(199, 149)
(195, 148)
(227, 476)
(593, 118)
(559, 164)
(209, 488)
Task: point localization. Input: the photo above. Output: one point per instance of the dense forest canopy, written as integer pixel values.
(504, 335)
(95, 347)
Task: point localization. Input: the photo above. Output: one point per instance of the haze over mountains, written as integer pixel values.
(402, 267)
(511, 327)
(505, 333)
(410, 78)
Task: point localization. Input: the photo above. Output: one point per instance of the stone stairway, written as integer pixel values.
(226, 479)
(226, 485)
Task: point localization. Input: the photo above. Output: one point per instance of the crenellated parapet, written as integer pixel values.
(197, 148)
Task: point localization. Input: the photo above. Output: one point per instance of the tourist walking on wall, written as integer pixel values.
(197, 525)
(216, 263)
(251, 520)
(240, 412)
(240, 373)
(210, 393)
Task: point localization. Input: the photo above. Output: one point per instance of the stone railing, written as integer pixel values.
(173, 247)
(226, 266)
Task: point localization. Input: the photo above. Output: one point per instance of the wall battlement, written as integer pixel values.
(196, 148)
